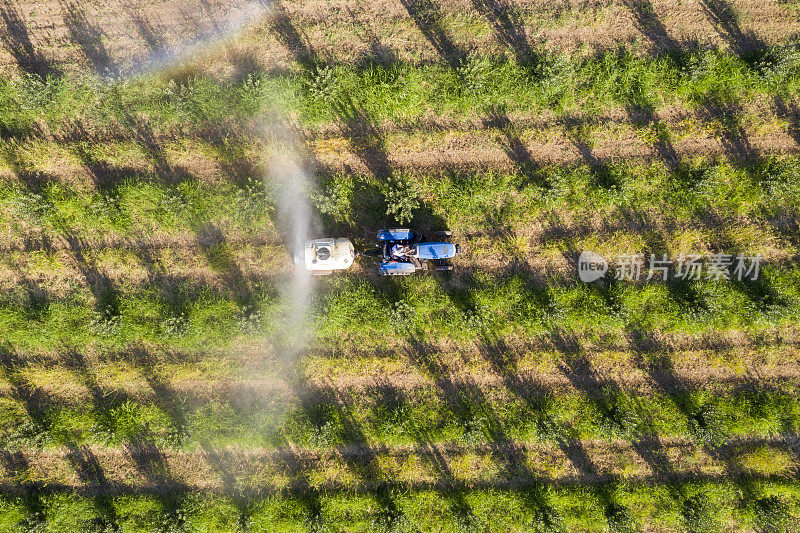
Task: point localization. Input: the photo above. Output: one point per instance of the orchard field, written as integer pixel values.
(143, 266)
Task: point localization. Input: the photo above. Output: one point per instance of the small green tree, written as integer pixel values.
(402, 199)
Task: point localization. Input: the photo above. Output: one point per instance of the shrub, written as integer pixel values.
(402, 199)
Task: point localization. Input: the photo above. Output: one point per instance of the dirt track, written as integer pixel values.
(477, 154)
(142, 468)
(472, 151)
(50, 35)
(739, 369)
(102, 37)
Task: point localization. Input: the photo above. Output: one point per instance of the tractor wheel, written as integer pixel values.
(444, 267)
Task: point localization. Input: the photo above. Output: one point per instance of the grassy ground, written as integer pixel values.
(142, 266)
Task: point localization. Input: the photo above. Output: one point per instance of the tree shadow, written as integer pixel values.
(726, 22)
(704, 422)
(106, 296)
(103, 400)
(16, 38)
(18, 469)
(176, 293)
(368, 143)
(245, 64)
(168, 400)
(211, 15)
(504, 363)
(214, 246)
(106, 176)
(288, 35)
(219, 461)
(649, 24)
(39, 406)
(604, 394)
(735, 141)
(427, 16)
(515, 148)
(468, 404)
(141, 132)
(453, 491)
(33, 180)
(89, 471)
(622, 419)
(377, 53)
(152, 33)
(364, 137)
(539, 400)
(37, 402)
(615, 415)
(89, 36)
(298, 469)
(684, 292)
(761, 292)
(603, 174)
(366, 466)
(325, 406)
(461, 401)
(81, 457)
(655, 359)
(642, 116)
(32, 297)
(152, 464)
(509, 28)
(787, 110)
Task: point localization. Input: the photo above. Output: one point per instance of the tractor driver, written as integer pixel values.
(401, 251)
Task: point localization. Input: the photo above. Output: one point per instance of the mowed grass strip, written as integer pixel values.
(68, 38)
(501, 146)
(53, 215)
(503, 149)
(57, 275)
(297, 471)
(414, 31)
(255, 364)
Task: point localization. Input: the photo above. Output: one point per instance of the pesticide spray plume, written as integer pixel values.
(176, 56)
(290, 182)
(287, 178)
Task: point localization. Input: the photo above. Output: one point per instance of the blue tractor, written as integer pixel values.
(404, 252)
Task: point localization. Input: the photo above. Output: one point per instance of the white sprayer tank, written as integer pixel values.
(324, 256)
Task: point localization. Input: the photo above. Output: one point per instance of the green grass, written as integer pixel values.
(153, 334)
(405, 92)
(139, 208)
(570, 509)
(459, 413)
